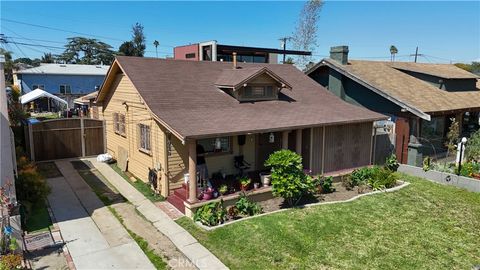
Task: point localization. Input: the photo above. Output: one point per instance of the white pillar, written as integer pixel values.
(285, 139)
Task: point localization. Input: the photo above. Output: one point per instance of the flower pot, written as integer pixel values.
(207, 195)
(265, 178)
(256, 185)
(243, 187)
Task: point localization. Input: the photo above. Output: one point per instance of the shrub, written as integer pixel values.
(211, 214)
(288, 178)
(382, 178)
(326, 184)
(472, 148)
(391, 163)
(232, 212)
(30, 184)
(247, 207)
(360, 177)
(469, 169)
(10, 261)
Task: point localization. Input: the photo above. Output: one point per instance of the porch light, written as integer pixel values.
(218, 144)
(271, 138)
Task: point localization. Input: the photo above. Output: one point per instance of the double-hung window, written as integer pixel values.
(119, 123)
(144, 138)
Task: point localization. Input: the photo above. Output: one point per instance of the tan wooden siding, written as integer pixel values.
(347, 146)
(135, 113)
(178, 159)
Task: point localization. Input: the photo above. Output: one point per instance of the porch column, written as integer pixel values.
(192, 170)
(285, 139)
(298, 143)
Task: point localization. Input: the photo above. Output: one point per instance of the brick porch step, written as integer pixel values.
(177, 202)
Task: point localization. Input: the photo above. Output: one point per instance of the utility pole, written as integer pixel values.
(156, 43)
(284, 45)
(416, 54)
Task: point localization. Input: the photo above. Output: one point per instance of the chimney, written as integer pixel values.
(339, 54)
(234, 60)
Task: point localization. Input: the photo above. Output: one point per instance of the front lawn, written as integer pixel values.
(422, 226)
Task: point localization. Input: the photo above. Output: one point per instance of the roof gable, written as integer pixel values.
(236, 78)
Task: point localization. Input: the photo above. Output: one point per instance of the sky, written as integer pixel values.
(444, 31)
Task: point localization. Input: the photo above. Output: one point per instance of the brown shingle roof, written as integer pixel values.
(408, 89)
(445, 71)
(184, 96)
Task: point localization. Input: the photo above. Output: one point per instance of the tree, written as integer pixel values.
(156, 43)
(25, 60)
(305, 35)
(7, 66)
(48, 58)
(89, 51)
(452, 136)
(393, 52)
(289, 61)
(474, 67)
(136, 46)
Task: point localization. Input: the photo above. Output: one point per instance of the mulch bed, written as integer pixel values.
(340, 194)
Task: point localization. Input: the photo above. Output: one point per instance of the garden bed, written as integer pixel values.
(341, 195)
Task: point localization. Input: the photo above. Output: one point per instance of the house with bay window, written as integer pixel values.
(421, 99)
(178, 121)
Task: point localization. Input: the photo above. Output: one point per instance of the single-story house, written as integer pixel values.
(421, 99)
(87, 104)
(159, 111)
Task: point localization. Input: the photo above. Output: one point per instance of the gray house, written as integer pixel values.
(421, 99)
(68, 81)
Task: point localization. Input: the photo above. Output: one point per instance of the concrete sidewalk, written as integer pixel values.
(94, 237)
(195, 252)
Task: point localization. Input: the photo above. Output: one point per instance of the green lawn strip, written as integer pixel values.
(141, 186)
(424, 225)
(98, 188)
(38, 219)
(155, 259)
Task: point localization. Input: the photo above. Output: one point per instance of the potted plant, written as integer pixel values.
(265, 178)
(244, 182)
(208, 194)
(223, 189)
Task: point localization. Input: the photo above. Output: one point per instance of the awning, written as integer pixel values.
(39, 93)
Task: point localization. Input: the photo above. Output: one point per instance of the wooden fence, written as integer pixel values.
(65, 138)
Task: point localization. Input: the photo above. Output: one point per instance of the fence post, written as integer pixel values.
(82, 134)
(30, 141)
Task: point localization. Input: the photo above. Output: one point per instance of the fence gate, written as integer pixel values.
(65, 138)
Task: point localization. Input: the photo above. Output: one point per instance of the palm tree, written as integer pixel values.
(393, 51)
(156, 43)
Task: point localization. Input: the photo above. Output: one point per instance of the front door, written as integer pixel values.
(265, 146)
(402, 130)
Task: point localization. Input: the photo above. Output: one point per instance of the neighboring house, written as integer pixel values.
(68, 81)
(87, 105)
(212, 51)
(420, 98)
(157, 111)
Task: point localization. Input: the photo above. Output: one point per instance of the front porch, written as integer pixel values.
(326, 150)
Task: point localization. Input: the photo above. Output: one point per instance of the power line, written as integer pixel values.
(59, 29)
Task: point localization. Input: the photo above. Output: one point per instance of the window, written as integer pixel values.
(259, 92)
(190, 55)
(216, 145)
(119, 123)
(144, 137)
(40, 86)
(65, 89)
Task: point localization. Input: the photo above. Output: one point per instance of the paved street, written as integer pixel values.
(94, 237)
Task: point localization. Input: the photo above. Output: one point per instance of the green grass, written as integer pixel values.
(141, 186)
(422, 226)
(38, 219)
(156, 260)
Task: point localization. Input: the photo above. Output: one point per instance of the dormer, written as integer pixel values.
(251, 83)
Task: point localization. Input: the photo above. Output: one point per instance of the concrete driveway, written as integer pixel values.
(94, 237)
